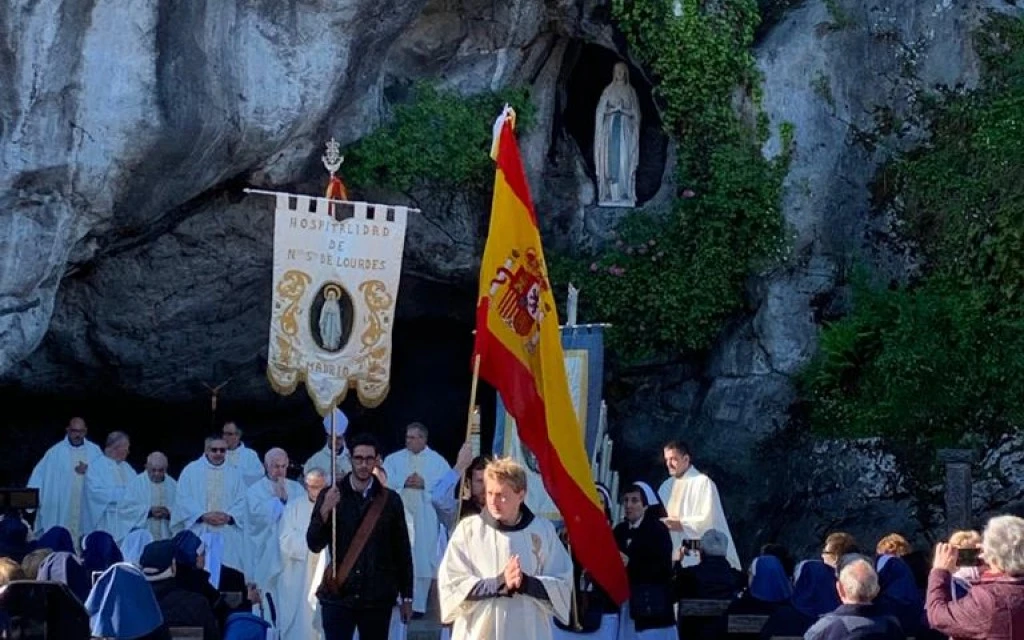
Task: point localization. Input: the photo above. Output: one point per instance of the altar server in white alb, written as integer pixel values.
(505, 572)
(412, 471)
(60, 478)
(107, 505)
(154, 491)
(301, 569)
(241, 457)
(322, 458)
(267, 500)
(692, 502)
(211, 500)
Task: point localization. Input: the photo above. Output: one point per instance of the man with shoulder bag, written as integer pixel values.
(362, 523)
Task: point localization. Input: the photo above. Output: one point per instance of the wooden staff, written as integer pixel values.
(469, 427)
(572, 590)
(334, 482)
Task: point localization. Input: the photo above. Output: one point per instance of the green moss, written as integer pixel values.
(940, 361)
(436, 144)
(671, 280)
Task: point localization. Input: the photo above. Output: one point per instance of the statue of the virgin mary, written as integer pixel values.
(330, 319)
(617, 141)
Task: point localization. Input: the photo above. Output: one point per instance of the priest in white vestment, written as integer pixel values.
(210, 502)
(241, 457)
(413, 471)
(154, 491)
(692, 502)
(107, 505)
(301, 569)
(266, 501)
(60, 478)
(322, 458)
(505, 572)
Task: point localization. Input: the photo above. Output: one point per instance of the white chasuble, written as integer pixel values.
(106, 504)
(420, 514)
(148, 494)
(693, 500)
(60, 488)
(247, 462)
(203, 488)
(301, 573)
(479, 551)
(322, 460)
(263, 530)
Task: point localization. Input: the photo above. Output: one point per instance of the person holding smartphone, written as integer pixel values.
(994, 607)
(969, 565)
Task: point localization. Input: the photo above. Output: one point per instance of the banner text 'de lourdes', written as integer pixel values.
(345, 262)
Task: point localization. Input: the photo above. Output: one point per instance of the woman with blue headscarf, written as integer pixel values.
(814, 594)
(898, 594)
(122, 606)
(99, 551)
(14, 538)
(57, 539)
(769, 588)
(65, 568)
(191, 574)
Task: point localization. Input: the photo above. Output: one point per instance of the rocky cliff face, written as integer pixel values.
(131, 264)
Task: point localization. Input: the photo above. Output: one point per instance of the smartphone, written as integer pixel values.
(968, 557)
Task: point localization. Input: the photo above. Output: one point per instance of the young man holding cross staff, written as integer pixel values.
(362, 522)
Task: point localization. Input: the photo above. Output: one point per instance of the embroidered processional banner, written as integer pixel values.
(583, 347)
(336, 274)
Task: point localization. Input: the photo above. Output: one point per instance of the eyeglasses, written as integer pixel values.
(218, 449)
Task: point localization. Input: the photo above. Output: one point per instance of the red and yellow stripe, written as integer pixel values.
(532, 379)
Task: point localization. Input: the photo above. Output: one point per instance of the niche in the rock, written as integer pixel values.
(589, 70)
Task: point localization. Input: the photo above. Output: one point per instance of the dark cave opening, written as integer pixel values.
(430, 383)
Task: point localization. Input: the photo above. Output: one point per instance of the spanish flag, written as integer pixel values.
(520, 348)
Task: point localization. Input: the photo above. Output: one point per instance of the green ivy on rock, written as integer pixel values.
(436, 143)
(940, 361)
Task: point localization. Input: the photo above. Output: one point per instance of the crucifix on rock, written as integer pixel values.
(214, 391)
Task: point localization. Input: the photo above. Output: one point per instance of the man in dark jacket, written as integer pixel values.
(856, 618)
(179, 607)
(383, 569)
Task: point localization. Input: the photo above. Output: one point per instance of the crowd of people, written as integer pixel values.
(238, 550)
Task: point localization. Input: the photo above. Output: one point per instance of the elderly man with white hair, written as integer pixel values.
(857, 616)
(301, 569)
(106, 504)
(153, 492)
(266, 501)
(994, 607)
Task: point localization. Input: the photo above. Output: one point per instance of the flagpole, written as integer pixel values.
(469, 427)
(572, 591)
(334, 482)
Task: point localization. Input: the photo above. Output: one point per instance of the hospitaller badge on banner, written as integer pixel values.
(337, 266)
